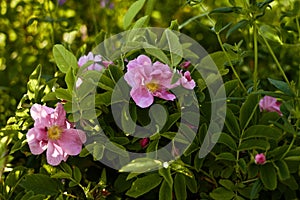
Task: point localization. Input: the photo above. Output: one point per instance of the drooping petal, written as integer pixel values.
(164, 94)
(37, 141)
(55, 154)
(142, 97)
(71, 141)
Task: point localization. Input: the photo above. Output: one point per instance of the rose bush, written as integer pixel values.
(64, 130)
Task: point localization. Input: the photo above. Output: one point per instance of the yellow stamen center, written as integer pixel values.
(54, 132)
(152, 87)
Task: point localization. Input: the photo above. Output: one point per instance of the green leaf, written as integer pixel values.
(142, 22)
(180, 168)
(174, 46)
(141, 165)
(291, 183)
(63, 94)
(121, 184)
(41, 184)
(225, 10)
(256, 188)
(172, 119)
(165, 191)
(103, 98)
(64, 59)
(270, 33)
(282, 86)
(128, 125)
(254, 144)
(292, 158)
(133, 10)
(191, 183)
(77, 174)
(268, 176)
(229, 185)
(180, 187)
(70, 79)
(232, 123)
(282, 169)
(157, 53)
(143, 185)
(61, 175)
(247, 110)
(228, 141)
(222, 194)
(240, 24)
(66, 168)
(15, 175)
(262, 131)
(225, 156)
(166, 173)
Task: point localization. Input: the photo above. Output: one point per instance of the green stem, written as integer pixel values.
(230, 63)
(290, 146)
(255, 73)
(276, 60)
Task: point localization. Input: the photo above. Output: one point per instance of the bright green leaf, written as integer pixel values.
(143, 185)
(133, 10)
(64, 59)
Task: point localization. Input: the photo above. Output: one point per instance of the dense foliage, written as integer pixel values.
(51, 83)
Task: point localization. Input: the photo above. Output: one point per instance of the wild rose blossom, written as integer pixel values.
(270, 104)
(148, 80)
(260, 159)
(52, 132)
(97, 65)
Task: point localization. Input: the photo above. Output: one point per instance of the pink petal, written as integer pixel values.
(270, 104)
(59, 116)
(71, 141)
(40, 114)
(142, 97)
(37, 141)
(163, 94)
(144, 60)
(55, 154)
(187, 81)
(107, 63)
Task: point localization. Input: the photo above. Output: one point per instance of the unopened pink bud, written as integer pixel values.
(144, 142)
(260, 159)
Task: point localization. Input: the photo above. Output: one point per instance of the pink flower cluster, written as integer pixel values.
(149, 80)
(270, 104)
(52, 132)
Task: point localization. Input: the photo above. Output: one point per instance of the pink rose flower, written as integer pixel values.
(270, 104)
(53, 133)
(148, 80)
(260, 159)
(98, 64)
(144, 142)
